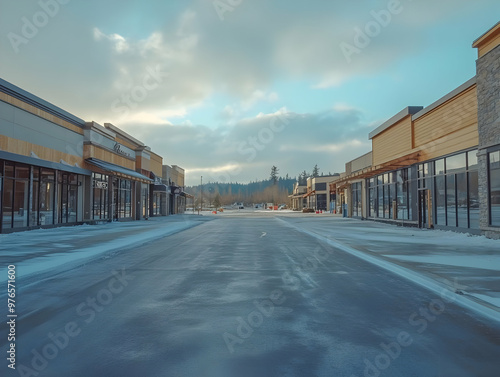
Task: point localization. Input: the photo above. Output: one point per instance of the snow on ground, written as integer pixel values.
(492, 300)
(43, 249)
(348, 236)
(488, 262)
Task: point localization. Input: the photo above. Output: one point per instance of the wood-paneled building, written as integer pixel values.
(437, 166)
(57, 169)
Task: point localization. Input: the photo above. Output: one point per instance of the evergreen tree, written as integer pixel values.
(315, 172)
(217, 203)
(303, 178)
(274, 175)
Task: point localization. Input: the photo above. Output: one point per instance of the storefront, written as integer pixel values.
(494, 187)
(42, 181)
(114, 190)
(57, 169)
(488, 96)
(34, 196)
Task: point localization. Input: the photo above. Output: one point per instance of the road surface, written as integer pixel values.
(242, 296)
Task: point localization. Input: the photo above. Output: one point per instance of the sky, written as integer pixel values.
(228, 88)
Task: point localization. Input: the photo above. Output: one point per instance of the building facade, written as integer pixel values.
(297, 200)
(318, 192)
(173, 181)
(439, 166)
(57, 169)
(488, 95)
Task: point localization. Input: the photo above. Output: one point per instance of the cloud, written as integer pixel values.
(246, 150)
(146, 66)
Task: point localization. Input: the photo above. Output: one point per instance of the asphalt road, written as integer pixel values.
(242, 297)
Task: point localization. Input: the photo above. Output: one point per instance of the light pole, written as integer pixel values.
(201, 194)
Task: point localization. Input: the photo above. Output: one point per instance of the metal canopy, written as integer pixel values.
(400, 162)
(119, 170)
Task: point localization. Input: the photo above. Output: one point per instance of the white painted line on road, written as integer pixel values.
(432, 285)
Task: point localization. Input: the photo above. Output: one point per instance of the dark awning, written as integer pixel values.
(119, 170)
(43, 163)
(161, 188)
(175, 190)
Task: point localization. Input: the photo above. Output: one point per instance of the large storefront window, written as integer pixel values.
(388, 188)
(15, 196)
(125, 193)
(157, 204)
(321, 203)
(68, 198)
(494, 179)
(47, 193)
(122, 198)
(356, 199)
(100, 191)
(456, 191)
(8, 194)
(27, 196)
(46, 199)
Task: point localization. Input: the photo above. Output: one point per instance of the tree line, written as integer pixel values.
(275, 190)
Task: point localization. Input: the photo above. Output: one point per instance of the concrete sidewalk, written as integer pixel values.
(36, 251)
(467, 265)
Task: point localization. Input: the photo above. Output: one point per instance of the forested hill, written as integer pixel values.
(253, 192)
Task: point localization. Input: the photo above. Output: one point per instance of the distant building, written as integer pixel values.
(297, 200)
(173, 178)
(318, 192)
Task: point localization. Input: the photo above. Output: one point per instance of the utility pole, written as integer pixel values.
(201, 195)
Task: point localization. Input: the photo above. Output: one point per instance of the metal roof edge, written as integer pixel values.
(410, 110)
(38, 102)
(445, 98)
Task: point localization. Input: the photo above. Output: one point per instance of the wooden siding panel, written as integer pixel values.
(156, 167)
(488, 46)
(392, 142)
(24, 148)
(462, 139)
(38, 112)
(92, 151)
(458, 113)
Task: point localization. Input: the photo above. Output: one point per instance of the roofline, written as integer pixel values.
(357, 158)
(475, 43)
(445, 98)
(31, 99)
(120, 132)
(410, 110)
